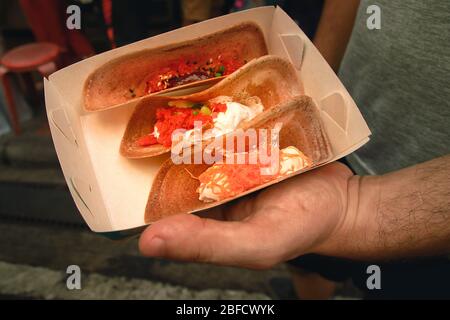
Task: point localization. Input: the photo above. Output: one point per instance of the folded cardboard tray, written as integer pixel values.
(111, 191)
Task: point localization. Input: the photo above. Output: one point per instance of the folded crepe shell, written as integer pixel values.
(109, 86)
(273, 80)
(174, 187)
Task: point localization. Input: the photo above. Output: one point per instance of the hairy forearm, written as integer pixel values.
(334, 30)
(398, 215)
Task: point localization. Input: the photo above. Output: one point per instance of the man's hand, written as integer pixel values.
(327, 211)
(284, 221)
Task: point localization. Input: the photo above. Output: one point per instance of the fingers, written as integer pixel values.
(191, 238)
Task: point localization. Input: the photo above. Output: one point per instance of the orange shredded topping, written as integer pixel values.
(228, 180)
(189, 173)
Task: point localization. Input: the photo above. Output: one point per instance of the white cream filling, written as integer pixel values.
(207, 195)
(210, 193)
(228, 121)
(156, 132)
(292, 160)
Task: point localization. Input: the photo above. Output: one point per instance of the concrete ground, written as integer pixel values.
(34, 260)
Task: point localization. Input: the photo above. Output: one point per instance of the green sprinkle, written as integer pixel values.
(205, 110)
(196, 112)
(221, 69)
(218, 74)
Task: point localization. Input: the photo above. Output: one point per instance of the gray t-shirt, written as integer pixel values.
(399, 76)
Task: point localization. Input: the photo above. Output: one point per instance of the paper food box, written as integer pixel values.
(111, 190)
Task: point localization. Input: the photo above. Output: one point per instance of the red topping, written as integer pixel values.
(218, 107)
(202, 67)
(170, 119)
(147, 140)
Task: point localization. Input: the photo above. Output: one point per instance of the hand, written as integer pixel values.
(286, 220)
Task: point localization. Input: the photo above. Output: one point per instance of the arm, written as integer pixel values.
(334, 29)
(327, 211)
(402, 214)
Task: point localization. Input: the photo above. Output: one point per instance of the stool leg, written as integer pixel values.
(31, 90)
(47, 69)
(10, 100)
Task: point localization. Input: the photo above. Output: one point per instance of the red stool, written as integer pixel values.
(41, 57)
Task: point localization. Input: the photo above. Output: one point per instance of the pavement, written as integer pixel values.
(34, 259)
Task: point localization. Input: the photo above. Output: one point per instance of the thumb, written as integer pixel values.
(191, 238)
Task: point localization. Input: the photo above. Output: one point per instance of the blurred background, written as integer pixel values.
(41, 231)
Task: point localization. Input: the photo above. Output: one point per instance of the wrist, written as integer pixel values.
(355, 230)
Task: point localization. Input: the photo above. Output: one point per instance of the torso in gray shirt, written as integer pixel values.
(399, 77)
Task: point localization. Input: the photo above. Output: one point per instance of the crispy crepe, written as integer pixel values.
(127, 78)
(174, 188)
(270, 78)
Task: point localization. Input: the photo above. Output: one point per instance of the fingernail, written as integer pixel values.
(155, 247)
